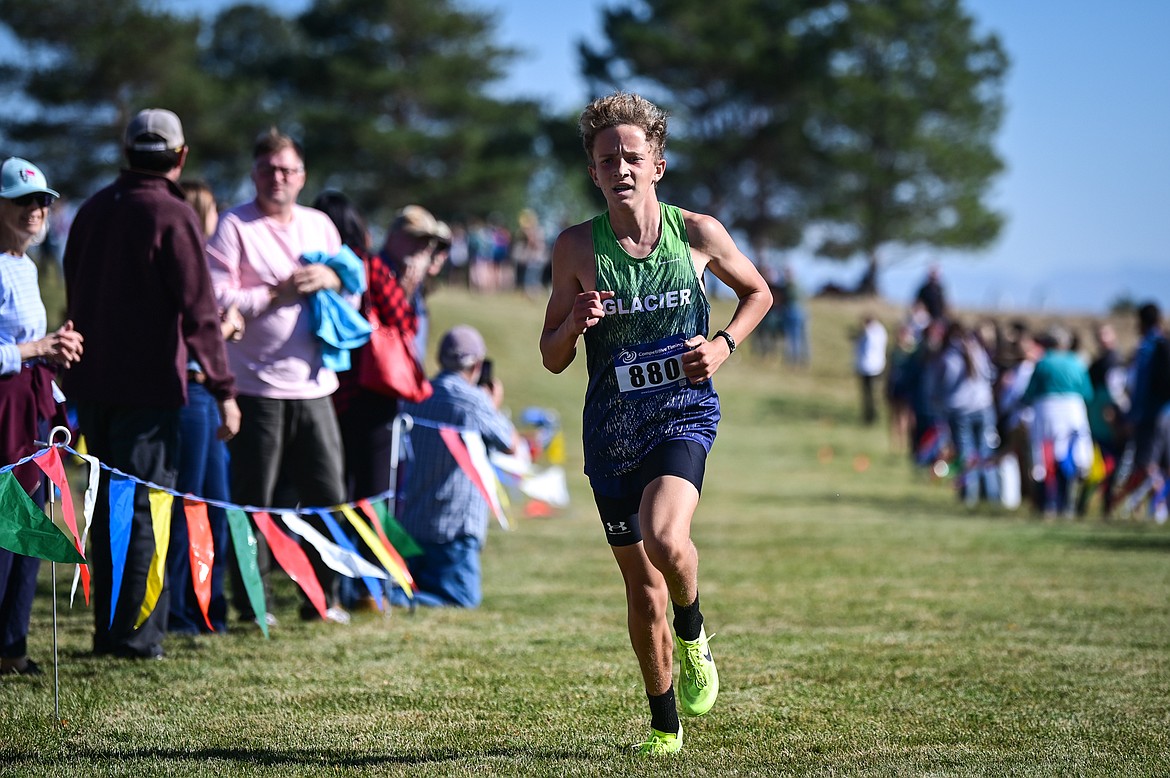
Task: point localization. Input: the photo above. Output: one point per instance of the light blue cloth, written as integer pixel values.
(336, 322)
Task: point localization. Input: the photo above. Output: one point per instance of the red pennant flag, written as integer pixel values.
(463, 458)
(372, 516)
(1050, 465)
(291, 558)
(50, 465)
(202, 554)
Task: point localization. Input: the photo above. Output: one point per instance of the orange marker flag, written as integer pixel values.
(202, 554)
(291, 558)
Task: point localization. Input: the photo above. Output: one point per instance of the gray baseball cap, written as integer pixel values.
(157, 122)
(461, 347)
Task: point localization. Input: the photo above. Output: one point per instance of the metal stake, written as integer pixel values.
(52, 497)
(401, 426)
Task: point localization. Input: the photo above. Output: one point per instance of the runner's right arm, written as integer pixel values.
(571, 309)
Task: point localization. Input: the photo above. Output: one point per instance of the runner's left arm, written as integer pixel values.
(716, 251)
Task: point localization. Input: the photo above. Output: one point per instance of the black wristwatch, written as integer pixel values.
(730, 341)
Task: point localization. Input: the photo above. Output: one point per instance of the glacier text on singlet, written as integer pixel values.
(651, 302)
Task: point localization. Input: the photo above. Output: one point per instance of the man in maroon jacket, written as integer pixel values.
(137, 284)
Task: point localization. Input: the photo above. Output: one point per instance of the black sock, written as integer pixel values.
(663, 711)
(688, 620)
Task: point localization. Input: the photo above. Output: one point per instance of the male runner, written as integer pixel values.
(631, 281)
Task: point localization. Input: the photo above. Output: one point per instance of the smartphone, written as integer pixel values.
(485, 373)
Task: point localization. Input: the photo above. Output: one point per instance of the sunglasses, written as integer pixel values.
(41, 199)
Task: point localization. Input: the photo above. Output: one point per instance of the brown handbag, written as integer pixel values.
(387, 364)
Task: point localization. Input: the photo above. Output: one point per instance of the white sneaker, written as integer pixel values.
(269, 619)
(337, 615)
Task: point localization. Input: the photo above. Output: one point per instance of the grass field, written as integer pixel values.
(866, 624)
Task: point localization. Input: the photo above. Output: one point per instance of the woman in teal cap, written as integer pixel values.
(28, 357)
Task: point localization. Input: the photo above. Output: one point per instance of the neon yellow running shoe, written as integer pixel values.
(661, 743)
(698, 680)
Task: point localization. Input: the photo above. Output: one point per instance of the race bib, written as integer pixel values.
(650, 367)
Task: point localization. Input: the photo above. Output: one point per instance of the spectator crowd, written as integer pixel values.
(221, 355)
(1023, 415)
(228, 356)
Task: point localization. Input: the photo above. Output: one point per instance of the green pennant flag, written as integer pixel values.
(244, 543)
(403, 543)
(25, 529)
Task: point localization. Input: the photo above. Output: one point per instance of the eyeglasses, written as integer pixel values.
(42, 200)
(286, 172)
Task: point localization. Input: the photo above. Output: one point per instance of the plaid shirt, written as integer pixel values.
(389, 303)
(439, 502)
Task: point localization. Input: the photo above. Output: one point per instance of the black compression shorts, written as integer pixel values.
(619, 497)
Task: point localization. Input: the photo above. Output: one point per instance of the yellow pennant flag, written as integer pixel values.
(1097, 471)
(371, 540)
(556, 449)
(160, 516)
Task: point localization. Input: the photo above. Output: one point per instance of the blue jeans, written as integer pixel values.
(18, 584)
(203, 472)
(975, 439)
(447, 574)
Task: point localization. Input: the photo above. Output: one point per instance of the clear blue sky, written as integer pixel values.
(1085, 141)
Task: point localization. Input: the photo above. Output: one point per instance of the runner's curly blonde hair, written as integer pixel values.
(623, 108)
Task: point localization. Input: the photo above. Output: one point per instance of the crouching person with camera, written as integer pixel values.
(441, 506)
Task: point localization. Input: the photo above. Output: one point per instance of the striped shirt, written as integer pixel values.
(439, 502)
(22, 314)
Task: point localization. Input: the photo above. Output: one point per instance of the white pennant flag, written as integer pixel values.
(91, 490)
(478, 452)
(548, 486)
(344, 561)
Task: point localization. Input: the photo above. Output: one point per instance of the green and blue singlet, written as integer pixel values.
(637, 396)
